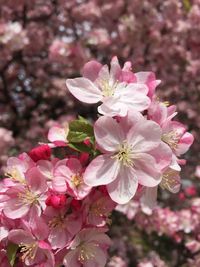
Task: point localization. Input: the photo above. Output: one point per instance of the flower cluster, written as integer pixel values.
(56, 200)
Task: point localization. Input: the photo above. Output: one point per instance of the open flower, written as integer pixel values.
(126, 159)
(88, 249)
(62, 227)
(33, 248)
(27, 197)
(102, 85)
(70, 178)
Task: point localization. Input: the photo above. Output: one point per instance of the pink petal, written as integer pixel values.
(163, 155)
(108, 134)
(36, 180)
(112, 107)
(115, 69)
(84, 90)
(124, 187)
(44, 245)
(102, 170)
(100, 258)
(146, 171)
(74, 165)
(149, 198)
(59, 184)
(20, 236)
(184, 144)
(46, 168)
(91, 70)
(131, 120)
(144, 136)
(71, 259)
(57, 134)
(15, 209)
(59, 237)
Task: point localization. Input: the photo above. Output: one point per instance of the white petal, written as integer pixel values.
(102, 170)
(84, 90)
(124, 187)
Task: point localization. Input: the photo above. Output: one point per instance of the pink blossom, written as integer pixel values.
(28, 197)
(88, 249)
(103, 86)
(69, 178)
(126, 159)
(34, 248)
(58, 135)
(97, 208)
(62, 227)
(17, 167)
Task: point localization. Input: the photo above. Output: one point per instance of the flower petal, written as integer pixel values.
(108, 134)
(102, 170)
(144, 136)
(91, 70)
(146, 171)
(71, 259)
(20, 236)
(84, 90)
(124, 187)
(15, 209)
(149, 198)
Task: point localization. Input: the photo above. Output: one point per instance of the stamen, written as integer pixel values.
(125, 154)
(168, 181)
(56, 222)
(28, 197)
(171, 138)
(15, 175)
(85, 254)
(107, 88)
(98, 208)
(77, 180)
(28, 251)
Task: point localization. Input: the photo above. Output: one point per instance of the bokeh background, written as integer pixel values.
(43, 42)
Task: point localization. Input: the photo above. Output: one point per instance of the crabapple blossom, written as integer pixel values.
(24, 198)
(56, 200)
(100, 85)
(62, 228)
(69, 177)
(88, 249)
(126, 160)
(33, 246)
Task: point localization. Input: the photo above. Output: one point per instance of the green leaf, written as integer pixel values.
(11, 253)
(79, 130)
(81, 147)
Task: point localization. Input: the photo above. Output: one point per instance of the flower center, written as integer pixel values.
(77, 180)
(57, 222)
(85, 253)
(168, 181)
(15, 174)
(171, 138)
(28, 251)
(125, 154)
(98, 208)
(107, 88)
(28, 197)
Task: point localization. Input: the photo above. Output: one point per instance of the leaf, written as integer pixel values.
(81, 147)
(11, 253)
(79, 130)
